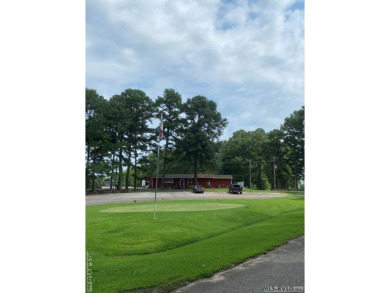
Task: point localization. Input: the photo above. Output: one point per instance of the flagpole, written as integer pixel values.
(155, 192)
(160, 136)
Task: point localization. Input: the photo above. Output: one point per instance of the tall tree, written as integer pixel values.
(118, 116)
(242, 157)
(234, 156)
(95, 136)
(276, 158)
(170, 106)
(202, 126)
(115, 131)
(256, 141)
(138, 108)
(294, 132)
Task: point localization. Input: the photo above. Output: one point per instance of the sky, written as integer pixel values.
(247, 56)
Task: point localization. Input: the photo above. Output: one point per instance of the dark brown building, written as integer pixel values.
(185, 181)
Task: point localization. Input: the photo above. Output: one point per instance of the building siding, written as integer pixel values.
(186, 181)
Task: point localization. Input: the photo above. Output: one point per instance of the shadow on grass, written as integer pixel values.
(297, 198)
(266, 217)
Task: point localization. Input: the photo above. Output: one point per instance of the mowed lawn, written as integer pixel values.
(187, 241)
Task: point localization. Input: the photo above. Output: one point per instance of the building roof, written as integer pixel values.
(206, 176)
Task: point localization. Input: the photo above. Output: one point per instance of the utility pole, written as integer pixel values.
(250, 175)
(274, 175)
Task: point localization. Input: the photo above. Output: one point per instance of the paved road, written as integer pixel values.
(172, 195)
(282, 267)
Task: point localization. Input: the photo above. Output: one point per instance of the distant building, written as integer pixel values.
(185, 181)
(106, 184)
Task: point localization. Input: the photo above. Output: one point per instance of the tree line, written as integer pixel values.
(121, 143)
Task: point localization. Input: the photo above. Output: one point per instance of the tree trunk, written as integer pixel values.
(112, 168)
(296, 175)
(196, 169)
(120, 171)
(86, 169)
(261, 187)
(117, 172)
(93, 171)
(128, 169)
(93, 183)
(135, 169)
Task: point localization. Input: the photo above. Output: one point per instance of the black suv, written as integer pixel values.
(198, 189)
(235, 188)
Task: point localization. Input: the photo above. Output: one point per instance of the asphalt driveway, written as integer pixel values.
(100, 199)
(280, 270)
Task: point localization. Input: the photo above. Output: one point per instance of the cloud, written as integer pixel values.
(229, 51)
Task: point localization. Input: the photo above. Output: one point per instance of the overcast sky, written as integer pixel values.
(247, 56)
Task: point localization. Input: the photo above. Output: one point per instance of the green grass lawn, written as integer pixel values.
(188, 240)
